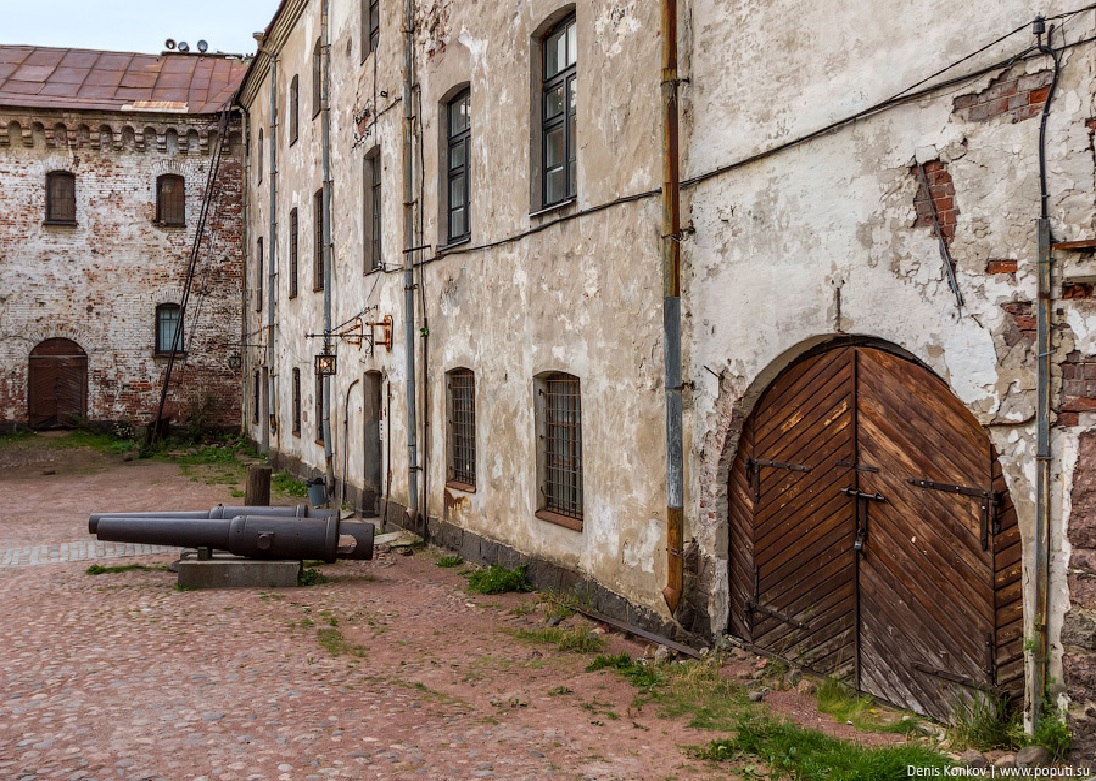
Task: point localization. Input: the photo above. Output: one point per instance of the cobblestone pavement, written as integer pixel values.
(390, 671)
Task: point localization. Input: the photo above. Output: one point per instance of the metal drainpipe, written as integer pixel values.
(272, 245)
(1042, 405)
(671, 268)
(245, 364)
(408, 258)
(328, 282)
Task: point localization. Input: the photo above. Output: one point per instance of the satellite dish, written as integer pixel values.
(203, 47)
(184, 47)
(169, 43)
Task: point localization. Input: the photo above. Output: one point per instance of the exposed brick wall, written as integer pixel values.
(1002, 266)
(1013, 95)
(939, 194)
(98, 283)
(1079, 627)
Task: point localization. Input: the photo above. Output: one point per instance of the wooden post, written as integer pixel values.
(257, 491)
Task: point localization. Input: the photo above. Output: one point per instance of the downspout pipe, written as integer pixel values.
(328, 281)
(272, 248)
(245, 353)
(1043, 351)
(408, 257)
(671, 310)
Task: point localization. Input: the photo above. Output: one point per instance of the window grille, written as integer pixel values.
(297, 402)
(459, 146)
(61, 198)
(319, 407)
(462, 426)
(170, 200)
(375, 258)
(317, 255)
(293, 253)
(563, 446)
(558, 113)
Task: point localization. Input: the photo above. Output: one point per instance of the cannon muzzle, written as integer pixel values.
(257, 536)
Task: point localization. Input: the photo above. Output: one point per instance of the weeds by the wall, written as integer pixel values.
(498, 580)
(449, 562)
(576, 638)
(809, 755)
(287, 485)
(311, 577)
(1052, 733)
(861, 710)
(643, 676)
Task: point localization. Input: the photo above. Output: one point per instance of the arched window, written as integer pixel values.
(169, 329)
(558, 143)
(171, 200)
(60, 198)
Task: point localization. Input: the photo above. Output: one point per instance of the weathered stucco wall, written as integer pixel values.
(582, 296)
(823, 238)
(99, 282)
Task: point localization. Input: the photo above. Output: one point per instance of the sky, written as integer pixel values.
(135, 25)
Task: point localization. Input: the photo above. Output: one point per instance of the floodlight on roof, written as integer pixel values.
(184, 47)
(203, 47)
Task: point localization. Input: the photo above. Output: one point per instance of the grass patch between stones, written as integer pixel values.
(332, 641)
(572, 639)
(498, 580)
(98, 569)
(862, 711)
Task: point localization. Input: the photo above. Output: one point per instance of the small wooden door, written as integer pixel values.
(57, 384)
(867, 511)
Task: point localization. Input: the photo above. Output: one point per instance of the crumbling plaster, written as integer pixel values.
(583, 296)
(816, 240)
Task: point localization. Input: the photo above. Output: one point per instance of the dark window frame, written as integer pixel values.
(261, 153)
(319, 408)
(565, 78)
(255, 399)
(560, 434)
(259, 262)
(317, 78)
(317, 241)
(461, 397)
(373, 25)
(294, 109)
(293, 230)
(372, 178)
(161, 310)
(296, 402)
(55, 214)
(170, 215)
(458, 140)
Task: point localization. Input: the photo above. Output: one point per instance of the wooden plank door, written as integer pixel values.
(926, 567)
(57, 384)
(802, 604)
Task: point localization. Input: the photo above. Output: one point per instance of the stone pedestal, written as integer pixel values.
(233, 572)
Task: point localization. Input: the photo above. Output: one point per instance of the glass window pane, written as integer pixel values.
(572, 181)
(553, 63)
(560, 45)
(456, 191)
(554, 147)
(456, 156)
(554, 190)
(457, 222)
(571, 48)
(458, 116)
(572, 95)
(553, 102)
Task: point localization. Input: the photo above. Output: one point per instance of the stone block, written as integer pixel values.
(232, 572)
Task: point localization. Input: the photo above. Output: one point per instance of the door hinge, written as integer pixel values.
(753, 472)
(989, 501)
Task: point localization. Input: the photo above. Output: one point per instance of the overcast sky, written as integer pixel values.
(135, 25)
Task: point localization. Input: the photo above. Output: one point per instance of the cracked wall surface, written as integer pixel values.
(99, 282)
(829, 237)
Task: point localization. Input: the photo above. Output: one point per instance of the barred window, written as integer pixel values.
(61, 198)
(317, 255)
(560, 433)
(371, 26)
(293, 252)
(462, 428)
(458, 143)
(171, 200)
(371, 176)
(319, 407)
(260, 151)
(559, 146)
(255, 398)
(296, 402)
(168, 329)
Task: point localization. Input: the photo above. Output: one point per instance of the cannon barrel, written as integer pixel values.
(251, 536)
(220, 511)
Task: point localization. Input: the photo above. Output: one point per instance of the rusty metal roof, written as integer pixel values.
(89, 80)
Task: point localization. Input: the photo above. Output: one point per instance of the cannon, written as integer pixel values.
(252, 532)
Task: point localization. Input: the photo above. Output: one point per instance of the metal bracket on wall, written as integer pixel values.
(945, 253)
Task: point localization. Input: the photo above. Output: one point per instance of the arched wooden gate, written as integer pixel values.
(57, 385)
(871, 533)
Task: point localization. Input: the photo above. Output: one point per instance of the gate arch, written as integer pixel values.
(871, 534)
(57, 384)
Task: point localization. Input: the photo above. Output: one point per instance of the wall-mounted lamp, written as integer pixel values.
(325, 365)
